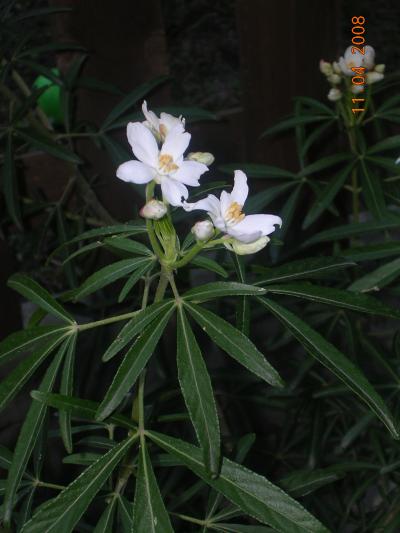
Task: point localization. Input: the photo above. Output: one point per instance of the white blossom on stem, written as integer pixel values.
(153, 209)
(226, 213)
(356, 60)
(165, 165)
(161, 126)
(203, 230)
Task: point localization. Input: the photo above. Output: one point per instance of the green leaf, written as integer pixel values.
(83, 250)
(292, 122)
(303, 482)
(373, 251)
(65, 511)
(47, 145)
(132, 229)
(252, 493)
(303, 269)
(243, 304)
(254, 170)
(326, 162)
(16, 379)
(373, 192)
(377, 279)
(327, 196)
(127, 245)
(28, 435)
(66, 388)
(235, 344)
(131, 99)
(83, 409)
(361, 303)
(334, 360)
(313, 103)
(220, 289)
(10, 183)
(38, 295)
(209, 264)
(134, 278)
(116, 151)
(28, 340)
(135, 326)
(149, 513)
(134, 362)
(390, 143)
(105, 524)
(351, 230)
(109, 274)
(198, 393)
(286, 214)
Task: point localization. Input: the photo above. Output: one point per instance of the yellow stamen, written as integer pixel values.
(163, 130)
(234, 213)
(166, 163)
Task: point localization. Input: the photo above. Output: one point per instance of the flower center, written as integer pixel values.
(234, 214)
(166, 163)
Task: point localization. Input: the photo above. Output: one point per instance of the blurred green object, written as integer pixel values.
(50, 100)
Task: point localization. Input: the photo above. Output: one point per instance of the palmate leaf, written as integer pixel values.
(64, 511)
(302, 269)
(292, 122)
(106, 522)
(83, 409)
(28, 340)
(362, 303)
(334, 360)
(201, 261)
(66, 388)
(128, 245)
(198, 393)
(109, 274)
(377, 279)
(303, 482)
(29, 433)
(134, 362)
(134, 278)
(47, 145)
(235, 344)
(219, 289)
(149, 513)
(373, 192)
(252, 493)
(17, 378)
(136, 325)
(38, 295)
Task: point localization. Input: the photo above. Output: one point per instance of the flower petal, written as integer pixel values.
(143, 143)
(170, 122)
(226, 201)
(189, 172)
(254, 225)
(173, 191)
(151, 117)
(135, 172)
(175, 143)
(240, 190)
(210, 204)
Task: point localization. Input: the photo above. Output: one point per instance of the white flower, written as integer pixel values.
(160, 127)
(226, 213)
(357, 89)
(241, 248)
(202, 157)
(335, 79)
(374, 76)
(334, 95)
(336, 68)
(325, 67)
(380, 68)
(164, 165)
(154, 209)
(203, 230)
(350, 60)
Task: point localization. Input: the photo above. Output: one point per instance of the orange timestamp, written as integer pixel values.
(358, 41)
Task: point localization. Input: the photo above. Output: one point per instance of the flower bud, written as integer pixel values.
(325, 67)
(154, 209)
(336, 68)
(380, 68)
(335, 79)
(334, 95)
(203, 230)
(241, 248)
(374, 76)
(357, 89)
(201, 157)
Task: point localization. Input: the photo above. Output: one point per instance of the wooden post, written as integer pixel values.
(281, 43)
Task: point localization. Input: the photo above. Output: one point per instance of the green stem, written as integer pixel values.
(49, 485)
(162, 285)
(105, 321)
(193, 251)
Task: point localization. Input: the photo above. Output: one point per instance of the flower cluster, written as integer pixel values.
(339, 73)
(159, 145)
